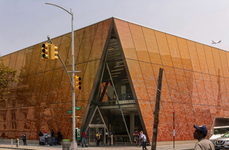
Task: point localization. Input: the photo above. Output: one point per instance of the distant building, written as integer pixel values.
(195, 84)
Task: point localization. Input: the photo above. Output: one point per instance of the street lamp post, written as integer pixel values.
(73, 80)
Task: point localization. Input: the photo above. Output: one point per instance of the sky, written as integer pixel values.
(24, 23)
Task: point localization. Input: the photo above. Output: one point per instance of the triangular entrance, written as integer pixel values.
(113, 96)
(97, 117)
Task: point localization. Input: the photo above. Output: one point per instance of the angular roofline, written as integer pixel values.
(167, 33)
(122, 20)
(59, 36)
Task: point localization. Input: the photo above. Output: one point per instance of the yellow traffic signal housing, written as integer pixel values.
(77, 83)
(45, 51)
(53, 52)
(78, 119)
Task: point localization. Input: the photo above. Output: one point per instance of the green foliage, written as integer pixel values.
(7, 76)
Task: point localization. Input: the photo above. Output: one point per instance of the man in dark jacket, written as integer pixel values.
(59, 138)
(24, 138)
(40, 133)
(52, 133)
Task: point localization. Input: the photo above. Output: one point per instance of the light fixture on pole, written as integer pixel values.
(73, 79)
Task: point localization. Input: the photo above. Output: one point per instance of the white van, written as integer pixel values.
(218, 132)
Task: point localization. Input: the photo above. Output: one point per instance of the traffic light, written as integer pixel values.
(53, 52)
(78, 83)
(45, 51)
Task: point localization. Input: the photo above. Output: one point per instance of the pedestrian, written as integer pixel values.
(97, 138)
(16, 142)
(41, 139)
(143, 140)
(56, 139)
(46, 138)
(139, 141)
(53, 139)
(112, 138)
(83, 138)
(40, 133)
(52, 133)
(24, 138)
(136, 135)
(203, 144)
(60, 137)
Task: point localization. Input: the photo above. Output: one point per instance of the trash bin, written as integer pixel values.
(66, 144)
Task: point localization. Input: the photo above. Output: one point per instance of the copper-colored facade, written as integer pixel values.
(195, 81)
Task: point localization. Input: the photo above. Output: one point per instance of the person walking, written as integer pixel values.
(24, 138)
(203, 144)
(143, 140)
(97, 138)
(83, 138)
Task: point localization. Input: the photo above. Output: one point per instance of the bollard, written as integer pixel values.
(12, 142)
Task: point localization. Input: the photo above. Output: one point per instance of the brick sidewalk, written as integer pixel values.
(188, 146)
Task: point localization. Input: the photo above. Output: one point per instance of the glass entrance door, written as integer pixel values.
(92, 131)
(102, 135)
(92, 136)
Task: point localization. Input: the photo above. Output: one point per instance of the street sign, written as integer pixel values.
(77, 108)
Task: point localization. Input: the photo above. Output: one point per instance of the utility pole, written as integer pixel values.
(74, 142)
(157, 109)
(174, 130)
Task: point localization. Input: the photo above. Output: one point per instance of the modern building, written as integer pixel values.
(119, 63)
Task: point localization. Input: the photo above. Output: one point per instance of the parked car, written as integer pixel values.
(222, 142)
(218, 132)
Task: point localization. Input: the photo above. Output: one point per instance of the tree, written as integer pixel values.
(7, 76)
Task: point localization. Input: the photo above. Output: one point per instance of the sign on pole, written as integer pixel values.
(78, 108)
